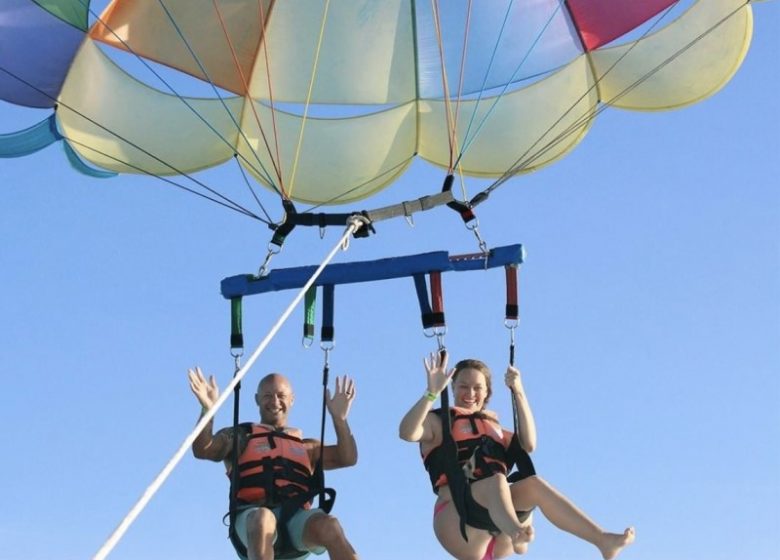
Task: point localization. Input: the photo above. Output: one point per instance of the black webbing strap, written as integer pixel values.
(282, 230)
(431, 316)
(233, 501)
(516, 452)
(462, 208)
(327, 331)
(456, 478)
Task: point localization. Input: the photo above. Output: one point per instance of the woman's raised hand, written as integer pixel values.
(436, 368)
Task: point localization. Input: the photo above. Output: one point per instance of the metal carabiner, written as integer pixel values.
(273, 250)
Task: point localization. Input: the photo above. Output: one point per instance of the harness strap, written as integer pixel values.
(462, 208)
(309, 312)
(431, 316)
(327, 332)
(456, 478)
(236, 332)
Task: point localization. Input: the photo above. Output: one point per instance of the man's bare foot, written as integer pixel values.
(522, 539)
(613, 543)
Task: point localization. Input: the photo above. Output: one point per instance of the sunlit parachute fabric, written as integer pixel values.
(331, 101)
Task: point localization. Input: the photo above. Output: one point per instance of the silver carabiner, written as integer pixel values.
(273, 250)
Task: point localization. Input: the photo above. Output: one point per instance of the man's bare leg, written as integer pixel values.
(260, 531)
(325, 530)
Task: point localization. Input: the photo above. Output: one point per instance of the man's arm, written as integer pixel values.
(213, 447)
(206, 445)
(344, 453)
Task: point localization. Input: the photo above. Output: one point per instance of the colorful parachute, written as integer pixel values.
(329, 102)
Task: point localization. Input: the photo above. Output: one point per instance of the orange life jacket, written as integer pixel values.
(273, 467)
(481, 443)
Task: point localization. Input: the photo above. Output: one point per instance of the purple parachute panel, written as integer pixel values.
(602, 21)
(36, 49)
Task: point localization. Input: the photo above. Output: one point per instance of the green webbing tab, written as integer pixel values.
(309, 312)
(236, 334)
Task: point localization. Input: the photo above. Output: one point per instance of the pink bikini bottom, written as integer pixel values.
(491, 545)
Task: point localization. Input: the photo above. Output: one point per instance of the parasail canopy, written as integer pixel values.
(329, 102)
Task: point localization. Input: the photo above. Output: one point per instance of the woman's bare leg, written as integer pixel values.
(534, 491)
(446, 526)
(495, 495)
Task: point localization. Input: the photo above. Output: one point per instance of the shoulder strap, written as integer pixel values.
(456, 478)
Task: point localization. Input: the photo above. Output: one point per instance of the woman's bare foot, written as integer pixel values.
(522, 539)
(613, 543)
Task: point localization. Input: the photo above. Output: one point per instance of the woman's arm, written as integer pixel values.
(415, 425)
(526, 427)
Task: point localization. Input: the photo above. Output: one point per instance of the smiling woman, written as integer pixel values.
(480, 511)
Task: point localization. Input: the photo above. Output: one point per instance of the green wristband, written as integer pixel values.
(431, 396)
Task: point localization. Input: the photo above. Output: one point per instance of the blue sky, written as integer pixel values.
(649, 341)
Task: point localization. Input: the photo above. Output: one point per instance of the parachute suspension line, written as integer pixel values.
(197, 61)
(461, 78)
(245, 85)
(484, 81)
(677, 54)
(121, 529)
(523, 161)
(458, 98)
(251, 189)
(85, 3)
(314, 69)
(270, 90)
(445, 85)
(228, 203)
(470, 140)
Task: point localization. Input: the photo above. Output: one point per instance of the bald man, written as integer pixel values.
(272, 442)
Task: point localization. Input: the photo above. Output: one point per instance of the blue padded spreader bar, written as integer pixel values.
(368, 271)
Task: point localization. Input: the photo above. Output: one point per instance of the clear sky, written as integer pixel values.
(649, 341)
